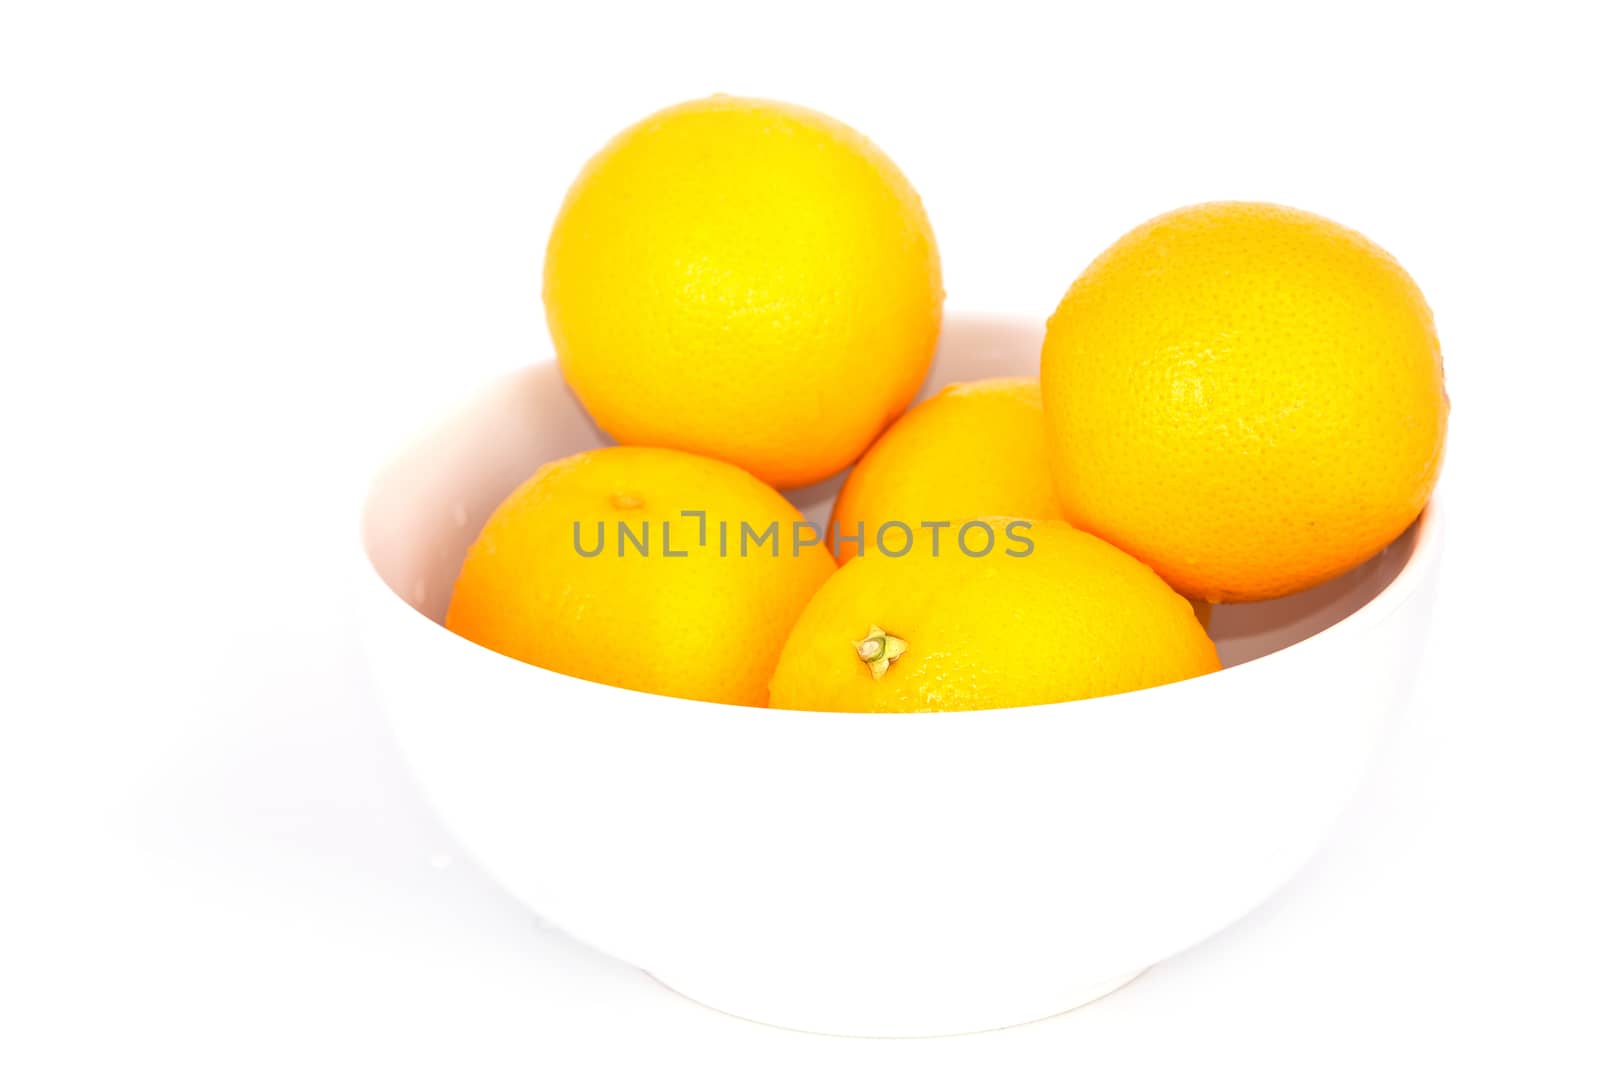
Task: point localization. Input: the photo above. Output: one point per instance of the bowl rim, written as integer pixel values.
(1426, 530)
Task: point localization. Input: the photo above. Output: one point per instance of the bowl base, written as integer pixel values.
(826, 1017)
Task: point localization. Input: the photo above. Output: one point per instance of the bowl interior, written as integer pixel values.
(427, 505)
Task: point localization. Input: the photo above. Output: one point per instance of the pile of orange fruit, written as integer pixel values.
(1235, 401)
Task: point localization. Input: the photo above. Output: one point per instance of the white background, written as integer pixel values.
(245, 247)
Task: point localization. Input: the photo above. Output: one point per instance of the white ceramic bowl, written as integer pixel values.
(873, 875)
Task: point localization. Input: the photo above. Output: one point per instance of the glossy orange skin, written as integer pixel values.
(1247, 397)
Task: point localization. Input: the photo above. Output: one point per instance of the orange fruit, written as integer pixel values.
(579, 571)
(1247, 397)
(932, 632)
(972, 449)
(747, 280)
